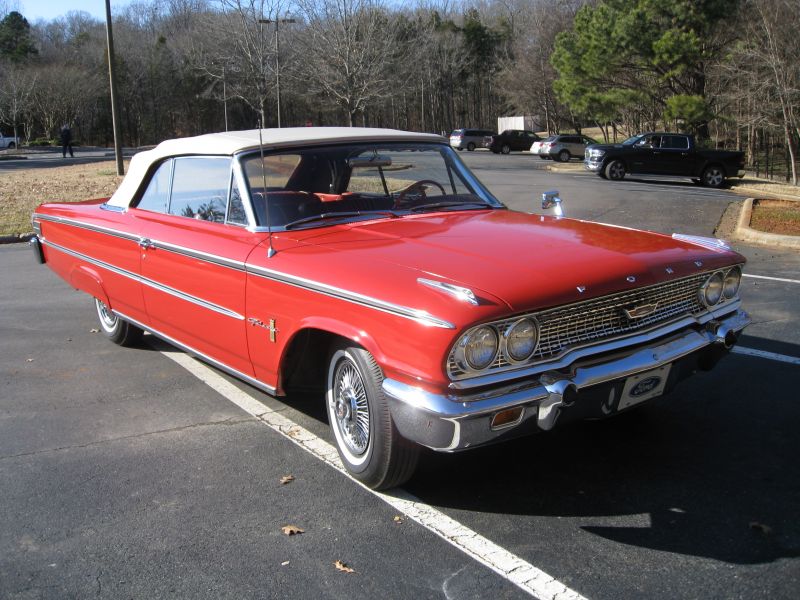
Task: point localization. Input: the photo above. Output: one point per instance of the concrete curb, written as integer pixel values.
(743, 189)
(745, 233)
(567, 168)
(15, 239)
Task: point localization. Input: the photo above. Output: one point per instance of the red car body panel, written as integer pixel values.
(529, 262)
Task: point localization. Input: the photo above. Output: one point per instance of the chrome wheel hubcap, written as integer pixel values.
(350, 407)
(617, 171)
(107, 319)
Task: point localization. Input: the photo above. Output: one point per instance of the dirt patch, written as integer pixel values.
(22, 191)
(776, 216)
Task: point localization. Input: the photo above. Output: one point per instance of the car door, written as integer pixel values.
(642, 159)
(193, 258)
(673, 156)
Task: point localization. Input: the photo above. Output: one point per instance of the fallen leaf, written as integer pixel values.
(398, 519)
(287, 479)
(284, 563)
(340, 566)
(28, 360)
(765, 529)
(292, 530)
(94, 330)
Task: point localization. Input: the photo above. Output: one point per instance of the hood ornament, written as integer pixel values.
(462, 293)
(551, 199)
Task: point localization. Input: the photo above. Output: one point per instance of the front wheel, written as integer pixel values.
(713, 176)
(470, 146)
(505, 149)
(11, 146)
(615, 170)
(370, 447)
(564, 156)
(117, 330)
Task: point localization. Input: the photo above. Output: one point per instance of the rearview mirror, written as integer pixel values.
(551, 200)
(366, 162)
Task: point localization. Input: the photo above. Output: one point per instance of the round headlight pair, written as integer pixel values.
(481, 345)
(721, 285)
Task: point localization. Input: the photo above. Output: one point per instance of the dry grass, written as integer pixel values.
(749, 185)
(23, 190)
(776, 216)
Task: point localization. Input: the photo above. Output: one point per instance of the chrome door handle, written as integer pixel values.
(145, 243)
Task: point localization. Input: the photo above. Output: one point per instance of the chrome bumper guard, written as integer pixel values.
(448, 422)
(592, 165)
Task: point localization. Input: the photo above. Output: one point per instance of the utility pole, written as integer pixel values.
(113, 89)
(277, 58)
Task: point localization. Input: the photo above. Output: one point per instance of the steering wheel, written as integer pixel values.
(417, 191)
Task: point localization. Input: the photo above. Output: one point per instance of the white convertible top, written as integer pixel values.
(231, 142)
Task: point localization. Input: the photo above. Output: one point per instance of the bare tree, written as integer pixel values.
(348, 48)
(15, 94)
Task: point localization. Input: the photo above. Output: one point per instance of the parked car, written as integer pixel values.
(664, 154)
(538, 145)
(511, 139)
(565, 147)
(372, 265)
(8, 142)
(470, 138)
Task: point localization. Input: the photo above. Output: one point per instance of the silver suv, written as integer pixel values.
(469, 138)
(564, 147)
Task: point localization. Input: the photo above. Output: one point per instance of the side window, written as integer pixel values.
(236, 212)
(677, 142)
(156, 196)
(200, 188)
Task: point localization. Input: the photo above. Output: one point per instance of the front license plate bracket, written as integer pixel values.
(644, 386)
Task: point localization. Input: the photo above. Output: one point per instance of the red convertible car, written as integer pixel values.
(373, 265)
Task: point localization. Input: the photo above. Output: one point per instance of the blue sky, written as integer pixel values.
(50, 9)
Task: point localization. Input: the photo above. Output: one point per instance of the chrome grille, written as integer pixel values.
(566, 327)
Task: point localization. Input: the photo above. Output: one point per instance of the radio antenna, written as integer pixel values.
(271, 251)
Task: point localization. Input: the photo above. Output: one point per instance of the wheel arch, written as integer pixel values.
(86, 279)
(304, 361)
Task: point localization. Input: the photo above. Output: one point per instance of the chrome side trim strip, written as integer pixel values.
(420, 316)
(592, 349)
(204, 357)
(204, 256)
(414, 314)
(112, 208)
(80, 224)
(148, 282)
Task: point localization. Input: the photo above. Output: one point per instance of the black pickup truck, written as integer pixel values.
(664, 154)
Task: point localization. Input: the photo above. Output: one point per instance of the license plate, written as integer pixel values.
(643, 386)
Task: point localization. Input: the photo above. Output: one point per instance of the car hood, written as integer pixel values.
(607, 146)
(525, 261)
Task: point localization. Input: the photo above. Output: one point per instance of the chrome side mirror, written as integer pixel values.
(550, 200)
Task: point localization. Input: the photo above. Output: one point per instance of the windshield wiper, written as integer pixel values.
(450, 204)
(338, 216)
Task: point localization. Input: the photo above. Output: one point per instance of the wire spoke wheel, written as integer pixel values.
(351, 408)
(108, 320)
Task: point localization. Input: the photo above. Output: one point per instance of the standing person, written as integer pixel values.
(66, 141)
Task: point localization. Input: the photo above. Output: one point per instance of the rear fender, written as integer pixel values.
(86, 279)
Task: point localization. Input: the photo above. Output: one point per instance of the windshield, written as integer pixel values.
(632, 140)
(325, 185)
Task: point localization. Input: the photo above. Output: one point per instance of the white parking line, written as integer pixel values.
(771, 278)
(792, 360)
(524, 575)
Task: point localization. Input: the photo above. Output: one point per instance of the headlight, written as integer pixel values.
(596, 153)
(731, 284)
(480, 347)
(521, 339)
(711, 292)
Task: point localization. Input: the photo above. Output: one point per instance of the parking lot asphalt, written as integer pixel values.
(122, 475)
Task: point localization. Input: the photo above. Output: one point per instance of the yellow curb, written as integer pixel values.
(745, 233)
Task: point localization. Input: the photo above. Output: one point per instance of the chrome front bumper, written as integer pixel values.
(449, 422)
(592, 165)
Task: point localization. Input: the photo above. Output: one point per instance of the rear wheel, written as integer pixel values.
(505, 149)
(615, 170)
(117, 330)
(11, 145)
(542, 157)
(370, 447)
(713, 176)
(470, 146)
(564, 156)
